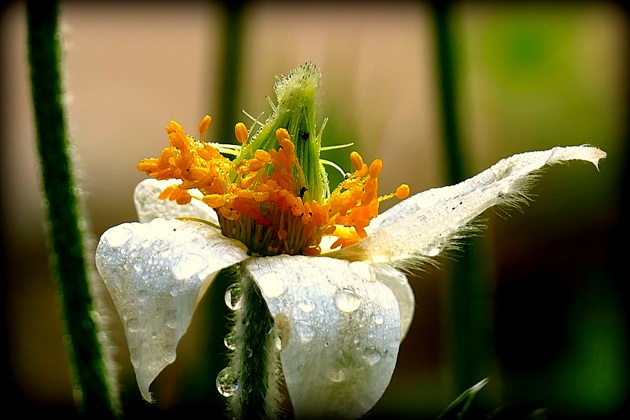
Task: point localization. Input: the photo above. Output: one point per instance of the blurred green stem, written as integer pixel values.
(227, 88)
(96, 396)
(470, 298)
(229, 70)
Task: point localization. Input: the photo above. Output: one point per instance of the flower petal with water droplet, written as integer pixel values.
(156, 273)
(337, 360)
(422, 226)
(149, 207)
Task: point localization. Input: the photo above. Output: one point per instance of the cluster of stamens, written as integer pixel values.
(259, 200)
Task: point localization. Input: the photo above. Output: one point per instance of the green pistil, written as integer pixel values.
(296, 111)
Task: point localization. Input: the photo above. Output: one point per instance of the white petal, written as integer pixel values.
(340, 329)
(421, 226)
(156, 273)
(399, 285)
(149, 207)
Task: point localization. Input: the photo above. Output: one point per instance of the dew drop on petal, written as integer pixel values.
(271, 285)
(336, 375)
(133, 324)
(372, 356)
(138, 266)
(233, 297)
(169, 354)
(142, 295)
(378, 319)
(433, 251)
(134, 356)
(305, 331)
(306, 305)
(347, 301)
(170, 319)
(226, 382)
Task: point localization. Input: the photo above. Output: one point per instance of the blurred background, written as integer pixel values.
(548, 310)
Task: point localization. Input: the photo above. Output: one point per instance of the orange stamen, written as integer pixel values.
(357, 161)
(259, 200)
(204, 124)
(241, 132)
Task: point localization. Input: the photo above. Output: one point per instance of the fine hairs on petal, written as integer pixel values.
(418, 229)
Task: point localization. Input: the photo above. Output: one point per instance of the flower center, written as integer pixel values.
(260, 199)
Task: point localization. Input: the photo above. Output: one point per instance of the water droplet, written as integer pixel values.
(138, 266)
(347, 301)
(134, 355)
(174, 290)
(133, 324)
(118, 237)
(188, 266)
(142, 295)
(170, 318)
(336, 375)
(271, 285)
(378, 319)
(233, 297)
(306, 305)
(229, 341)
(432, 252)
(305, 331)
(372, 356)
(227, 383)
(169, 354)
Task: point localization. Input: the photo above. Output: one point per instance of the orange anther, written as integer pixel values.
(173, 126)
(402, 191)
(262, 156)
(241, 132)
(375, 168)
(184, 197)
(255, 165)
(357, 161)
(313, 250)
(285, 140)
(204, 124)
(214, 200)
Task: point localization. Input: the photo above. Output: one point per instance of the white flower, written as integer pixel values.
(341, 309)
(343, 313)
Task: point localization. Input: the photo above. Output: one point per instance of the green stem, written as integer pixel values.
(470, 296)
(65, 221)
(253, 367)
(228, 87)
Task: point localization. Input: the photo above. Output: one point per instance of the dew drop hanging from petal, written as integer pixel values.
(233, 297)
(227, 383)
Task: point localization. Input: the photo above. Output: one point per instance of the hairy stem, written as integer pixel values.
(254, 362)
(71, 270)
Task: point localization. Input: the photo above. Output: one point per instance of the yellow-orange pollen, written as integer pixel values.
(258, 201)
